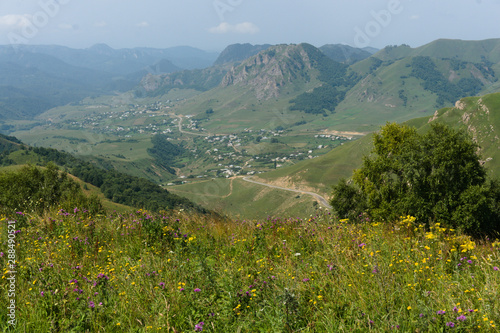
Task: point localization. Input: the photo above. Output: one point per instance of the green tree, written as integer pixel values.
(436, 177)
(33, 189)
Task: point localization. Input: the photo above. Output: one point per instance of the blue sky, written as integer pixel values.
(213, 24)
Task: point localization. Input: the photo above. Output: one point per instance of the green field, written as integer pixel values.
(242, 200)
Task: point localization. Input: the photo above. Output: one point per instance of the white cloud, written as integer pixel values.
(14, 21)
(143, 24)
(240, 28)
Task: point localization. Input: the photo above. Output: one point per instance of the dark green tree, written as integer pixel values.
(436, 177)
(33, 189)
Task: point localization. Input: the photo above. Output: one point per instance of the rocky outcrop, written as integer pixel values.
(269, 71)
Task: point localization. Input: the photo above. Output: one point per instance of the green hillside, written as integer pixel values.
(479, 115)
(243, 200)
(470, 51)
(119, 188)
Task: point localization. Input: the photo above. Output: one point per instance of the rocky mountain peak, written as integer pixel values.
(268, 72)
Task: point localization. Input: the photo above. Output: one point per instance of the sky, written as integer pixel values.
(213, 24)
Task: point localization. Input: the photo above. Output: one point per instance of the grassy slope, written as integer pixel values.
(448, 48)
(324, 171)
(240, 199)
(375, 100)
(481, 117)
(144, 272)
(88, 189)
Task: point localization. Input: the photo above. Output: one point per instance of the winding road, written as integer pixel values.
(316, 196)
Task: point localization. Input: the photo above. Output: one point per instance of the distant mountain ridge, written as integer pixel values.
(396, 83)
(338, 52)
(33, 83)
(344, 53)
(239, 52)
(36, 78)
(102, 57)
(471, 51)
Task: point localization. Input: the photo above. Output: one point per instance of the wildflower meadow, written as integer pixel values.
(186, 272)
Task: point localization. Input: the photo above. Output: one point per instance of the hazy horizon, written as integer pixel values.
(211, 25)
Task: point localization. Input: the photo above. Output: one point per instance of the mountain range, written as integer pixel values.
(396, 84)
(37, 78)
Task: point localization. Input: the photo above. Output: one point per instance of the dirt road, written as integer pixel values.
(318, 197)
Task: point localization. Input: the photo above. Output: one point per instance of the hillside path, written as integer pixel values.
(316, 196)
(180, 126)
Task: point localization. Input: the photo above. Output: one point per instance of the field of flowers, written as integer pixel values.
(181, 272)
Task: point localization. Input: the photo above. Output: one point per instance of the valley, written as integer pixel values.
(287, 115)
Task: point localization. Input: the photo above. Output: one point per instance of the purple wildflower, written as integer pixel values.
(162, 285)
(1, 254)
(361, 245)
(455, 309)
(462, 318)
(450, 324)
(305, 280)
(41, 293)
(91, 305)
(197, 290)
(421, 315)
(199, 327)
(495, 268)
(441, 312)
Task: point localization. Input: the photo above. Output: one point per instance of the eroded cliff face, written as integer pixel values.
(269, 71)
(151, 82)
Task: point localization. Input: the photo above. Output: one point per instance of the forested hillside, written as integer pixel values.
(117, 187)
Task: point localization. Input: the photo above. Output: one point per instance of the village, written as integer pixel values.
(248, 152)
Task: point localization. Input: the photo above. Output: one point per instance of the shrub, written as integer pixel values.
(33, 189)
(436, 177)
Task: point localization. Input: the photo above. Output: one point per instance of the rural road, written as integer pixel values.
(180, 126)
(318, 197)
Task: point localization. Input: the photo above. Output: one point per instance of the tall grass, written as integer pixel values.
(178, 272)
